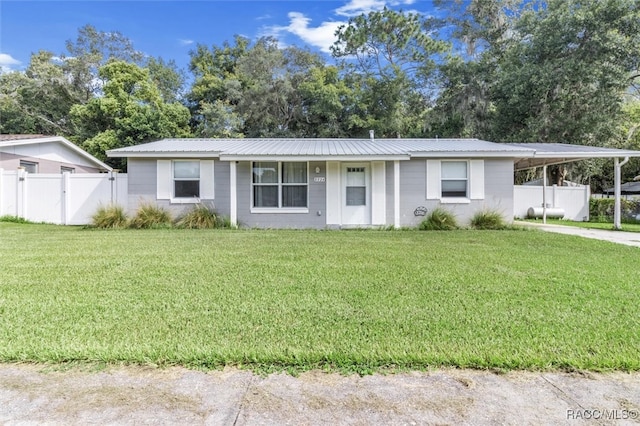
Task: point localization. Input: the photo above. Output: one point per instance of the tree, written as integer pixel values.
(564, 77)
(390, 57)
(38, 100)
(167, 77)
(131, 111)
(91, 50)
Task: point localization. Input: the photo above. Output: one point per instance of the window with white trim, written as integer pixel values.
(454, 176)
(65, 169)
(186, 179)
(279, 184)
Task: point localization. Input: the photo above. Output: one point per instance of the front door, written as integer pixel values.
(356, 194)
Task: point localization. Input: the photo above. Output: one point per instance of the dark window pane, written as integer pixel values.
(454, 188)
(294, 196)
(265, 196)
(356, 195)
(294, 172)
(187, 188)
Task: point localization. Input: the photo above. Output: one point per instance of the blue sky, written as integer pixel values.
(170, 29)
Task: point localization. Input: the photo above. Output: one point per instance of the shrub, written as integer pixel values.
(202, 217)
(488, 219)
(110, 216)
(150, 216)
(439, 220)
(14, 219)
(601, 209)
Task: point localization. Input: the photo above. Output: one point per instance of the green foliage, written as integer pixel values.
(343, 301)
(602, 209)
(488, 219)
(130, 112)
(202, 217)
(109, 216)
(439, 219)
(150, 216)
(14, 219)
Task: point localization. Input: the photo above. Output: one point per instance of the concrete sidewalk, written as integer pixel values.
(619, 237)
(144, 395)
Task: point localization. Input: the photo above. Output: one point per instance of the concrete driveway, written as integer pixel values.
(619, 237)
(31, 395)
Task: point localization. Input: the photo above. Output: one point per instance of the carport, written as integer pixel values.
(549, 154)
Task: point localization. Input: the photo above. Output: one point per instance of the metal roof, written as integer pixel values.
(626, 188)
(238, 149)
(559, 153)
(18, 140)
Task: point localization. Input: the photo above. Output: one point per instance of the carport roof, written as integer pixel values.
(558, 153)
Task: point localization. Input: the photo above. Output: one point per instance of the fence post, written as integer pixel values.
(1, 191)
(21, 194)
(66, 191)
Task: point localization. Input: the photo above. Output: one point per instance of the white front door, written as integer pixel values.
(356, 194)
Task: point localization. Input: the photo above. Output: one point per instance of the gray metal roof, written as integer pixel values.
(558, 153)
(232, 149)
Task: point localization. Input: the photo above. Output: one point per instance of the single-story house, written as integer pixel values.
(336, 183)
(629, 188)
(46, 154)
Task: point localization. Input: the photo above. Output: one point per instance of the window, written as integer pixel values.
(279, 184)
(454, 179)
(186, 179)
(29, 166)
(64, 169)
(356, 186)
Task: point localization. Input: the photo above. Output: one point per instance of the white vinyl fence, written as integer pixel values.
(64, 199)
(574, 200)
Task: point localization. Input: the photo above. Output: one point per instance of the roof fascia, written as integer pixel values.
(473, 154)
(313, 157)
(155, 154)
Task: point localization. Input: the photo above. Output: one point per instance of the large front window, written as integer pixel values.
(186, 179)
(280, 184)
(454, 179)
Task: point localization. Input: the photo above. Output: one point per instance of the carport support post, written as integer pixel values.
(544, 194)
(617, 219)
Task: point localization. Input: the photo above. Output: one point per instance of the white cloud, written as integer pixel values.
(6, 62)
(185, 42)
(321, 37)
(357, 7)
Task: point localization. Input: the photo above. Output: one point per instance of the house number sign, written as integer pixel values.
(318, 179)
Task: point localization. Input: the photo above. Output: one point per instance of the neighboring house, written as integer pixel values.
(46, 154)
(335, 183)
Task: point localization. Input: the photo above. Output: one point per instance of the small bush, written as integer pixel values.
(110, 216)
(202, 217)
(601, 209)
(488, 219)
(439, 220)
(14, 219)
(150, 216)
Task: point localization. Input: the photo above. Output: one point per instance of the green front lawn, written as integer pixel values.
(629, 227)
(348, 300)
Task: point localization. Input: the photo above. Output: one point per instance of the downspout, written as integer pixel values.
(617, 220)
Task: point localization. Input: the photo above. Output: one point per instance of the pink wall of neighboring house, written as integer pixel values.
(12, 162)
(46, 154)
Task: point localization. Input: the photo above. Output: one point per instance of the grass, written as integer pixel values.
(296, 300)
(629, 227)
